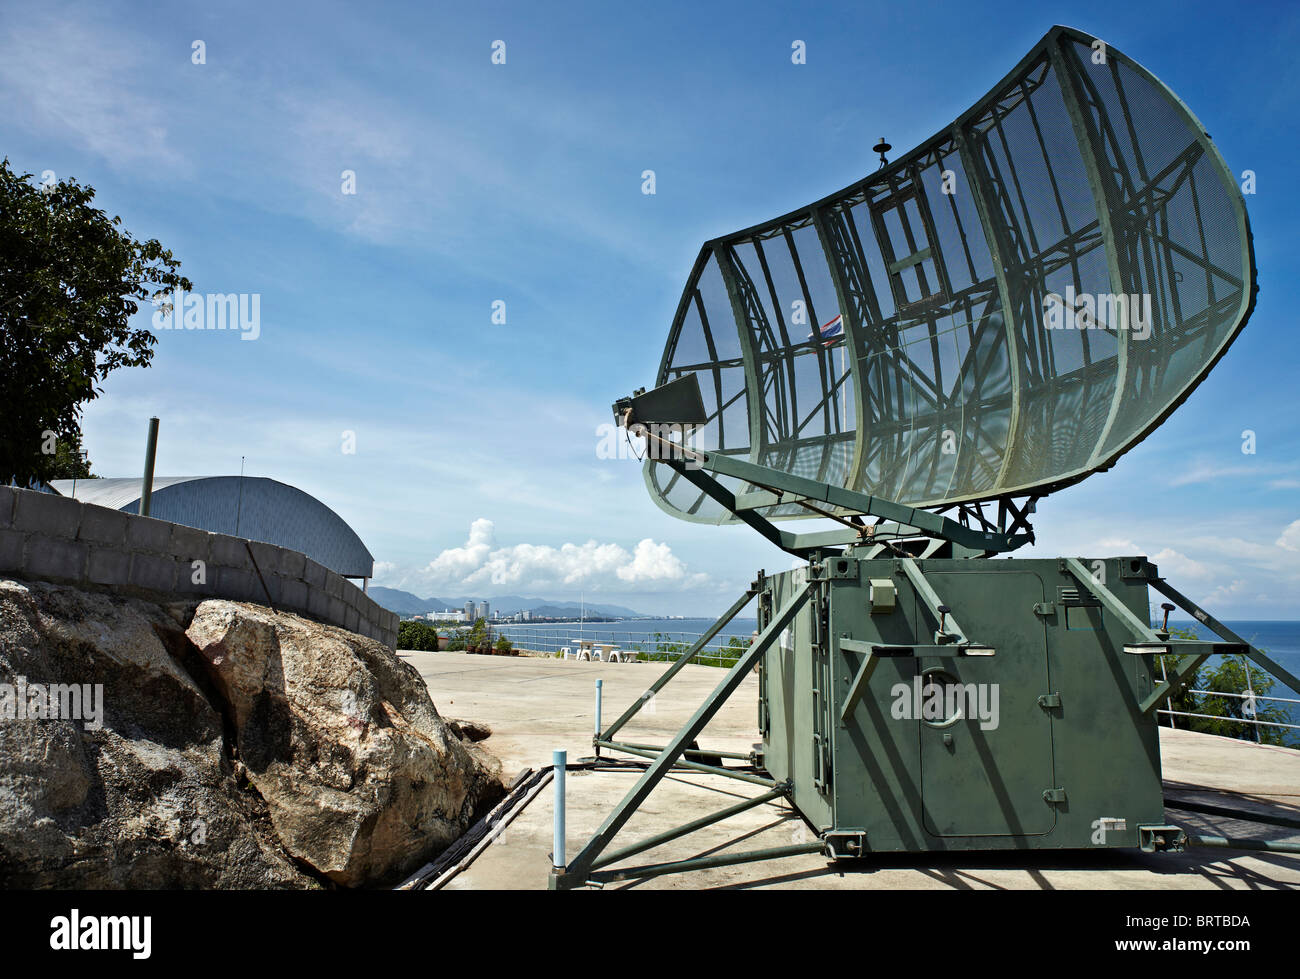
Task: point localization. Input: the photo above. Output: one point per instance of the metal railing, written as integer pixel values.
(1249, 696)
(1252, 698)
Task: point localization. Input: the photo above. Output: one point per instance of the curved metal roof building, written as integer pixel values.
(252, 507)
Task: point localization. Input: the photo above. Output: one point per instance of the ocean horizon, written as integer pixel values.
(1277, 638)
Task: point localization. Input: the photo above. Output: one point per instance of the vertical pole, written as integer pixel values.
(599, 683)
(151, 450)
(1164, 675)
(557, 847)
(1250, 690)
(239, 507)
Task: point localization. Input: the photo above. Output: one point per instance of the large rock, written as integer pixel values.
(342, 740)
(146, 796)
(269, 752)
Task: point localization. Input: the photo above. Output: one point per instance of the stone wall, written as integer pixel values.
(56, 538)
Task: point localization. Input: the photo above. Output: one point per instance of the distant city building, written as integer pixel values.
(469, 611)
(483, 610)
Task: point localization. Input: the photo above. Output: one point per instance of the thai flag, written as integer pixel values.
(832, 331)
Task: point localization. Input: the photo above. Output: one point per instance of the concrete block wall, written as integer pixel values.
(58, 539)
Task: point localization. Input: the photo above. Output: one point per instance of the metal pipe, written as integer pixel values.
(738, 756)
(1217, 627)
(1230, 843)
(1187, 805)
(693, 765)
(239, 506)
(150, 451)
(1250, 689)
(663, 762)
(704, 863)
(557, 848)
(1234, 720)
(690, 654)
(596, 735)
(679, 831)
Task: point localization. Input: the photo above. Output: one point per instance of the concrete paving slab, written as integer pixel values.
(537, 705)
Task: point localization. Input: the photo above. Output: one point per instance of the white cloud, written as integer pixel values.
(1290, 539)
(1225, 594)
(86, 84)
(461, 563)
(1116, 545)
(1177, 566)
(1227, 567)
(652, 562)
(1209, 472)
(480, 563)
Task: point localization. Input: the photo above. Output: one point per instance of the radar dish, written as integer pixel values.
(949, 329)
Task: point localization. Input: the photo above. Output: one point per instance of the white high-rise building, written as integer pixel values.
(469, 612)
(483, 610)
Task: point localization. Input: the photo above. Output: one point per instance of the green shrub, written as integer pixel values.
(1228, 677)
(477, 638)
(413, 634)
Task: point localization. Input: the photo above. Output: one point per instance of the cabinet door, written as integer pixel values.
(986, 760)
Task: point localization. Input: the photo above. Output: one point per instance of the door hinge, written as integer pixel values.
(1044, 608)
(1054, 796)
(1049, 700)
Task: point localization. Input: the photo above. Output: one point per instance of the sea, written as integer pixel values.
(1280, 640)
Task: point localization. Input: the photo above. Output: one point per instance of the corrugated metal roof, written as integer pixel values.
(117, 493)
(253, 507)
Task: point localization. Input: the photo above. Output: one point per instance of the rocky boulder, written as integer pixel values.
(144, 795)
(268, 752)
(342, 740)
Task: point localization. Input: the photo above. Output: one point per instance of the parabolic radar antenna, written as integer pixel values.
(897, 337)
(993, 316)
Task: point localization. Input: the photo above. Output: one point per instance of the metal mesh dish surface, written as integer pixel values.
(1004, 310)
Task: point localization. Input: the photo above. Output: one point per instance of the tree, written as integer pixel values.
(1229, 677)
(477, 638)
(71, 461)
(1184, 700)
(70, 280)
(413, 634)
(503, 646)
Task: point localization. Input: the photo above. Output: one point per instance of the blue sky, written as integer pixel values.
(475, 468)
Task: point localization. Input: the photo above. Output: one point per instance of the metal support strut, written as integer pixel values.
(586, 867)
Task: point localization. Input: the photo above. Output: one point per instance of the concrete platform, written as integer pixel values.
(537, 705)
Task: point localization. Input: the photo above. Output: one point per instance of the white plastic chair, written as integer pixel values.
(566, 652)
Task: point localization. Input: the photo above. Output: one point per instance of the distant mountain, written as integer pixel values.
(401, 602)
(509, 604)
(557, 610)
(406, 603)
